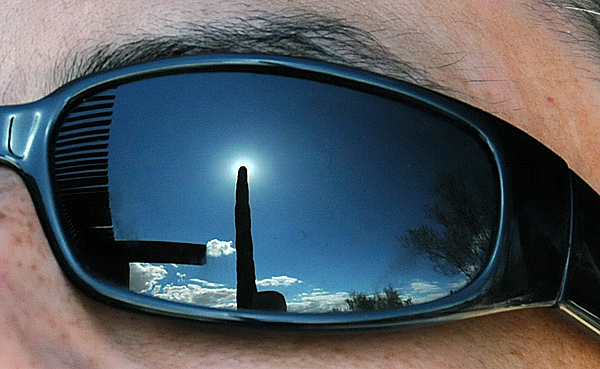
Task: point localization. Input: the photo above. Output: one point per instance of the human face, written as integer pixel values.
(523, 61)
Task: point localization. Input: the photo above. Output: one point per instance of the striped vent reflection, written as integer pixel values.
(81, 148)
(81, 161)
(81, 179)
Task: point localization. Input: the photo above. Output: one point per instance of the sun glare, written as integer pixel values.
(244, 163)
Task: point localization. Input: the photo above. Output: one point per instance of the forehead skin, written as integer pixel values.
(516, 59)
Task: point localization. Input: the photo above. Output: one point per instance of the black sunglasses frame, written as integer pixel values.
(546, 247)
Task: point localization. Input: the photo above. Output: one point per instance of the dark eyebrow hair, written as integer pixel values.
(292, 33)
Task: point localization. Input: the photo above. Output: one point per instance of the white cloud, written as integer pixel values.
(425, 291)
(230, 305)
(216, 248)
(318, 302)
(424, 287)
(456, 286)
(277, 281)
(206, 283)
(143, 277)
(198, 295)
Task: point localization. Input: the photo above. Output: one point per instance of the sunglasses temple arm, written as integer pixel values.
(581, 293)
(5, 128)
(19, 124)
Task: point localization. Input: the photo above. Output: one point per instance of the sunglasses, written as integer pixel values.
(288, 193)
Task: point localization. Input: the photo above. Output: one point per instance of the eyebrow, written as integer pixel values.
(295, 34)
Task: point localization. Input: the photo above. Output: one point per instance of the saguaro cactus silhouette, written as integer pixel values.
(248, 296)
(246, 276)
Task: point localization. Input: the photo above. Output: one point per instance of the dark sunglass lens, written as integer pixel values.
(346, 201)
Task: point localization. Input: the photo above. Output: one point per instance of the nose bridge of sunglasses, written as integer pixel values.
(18, 127)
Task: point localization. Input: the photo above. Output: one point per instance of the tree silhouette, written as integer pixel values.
(389, 299)
(466, 212)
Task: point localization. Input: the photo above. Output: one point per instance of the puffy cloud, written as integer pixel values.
(216, 248)
(143, 277)
(198, 295)
(146, 278)
(277, 281)
(318, 302)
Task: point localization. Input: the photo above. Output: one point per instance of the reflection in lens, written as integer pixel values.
(358, 202)
(460, 242)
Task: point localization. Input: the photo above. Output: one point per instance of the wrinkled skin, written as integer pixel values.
(516, 59)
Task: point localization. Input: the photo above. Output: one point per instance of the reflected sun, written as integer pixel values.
(245, 162)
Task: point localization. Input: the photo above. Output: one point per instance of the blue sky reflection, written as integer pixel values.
(336, 177)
